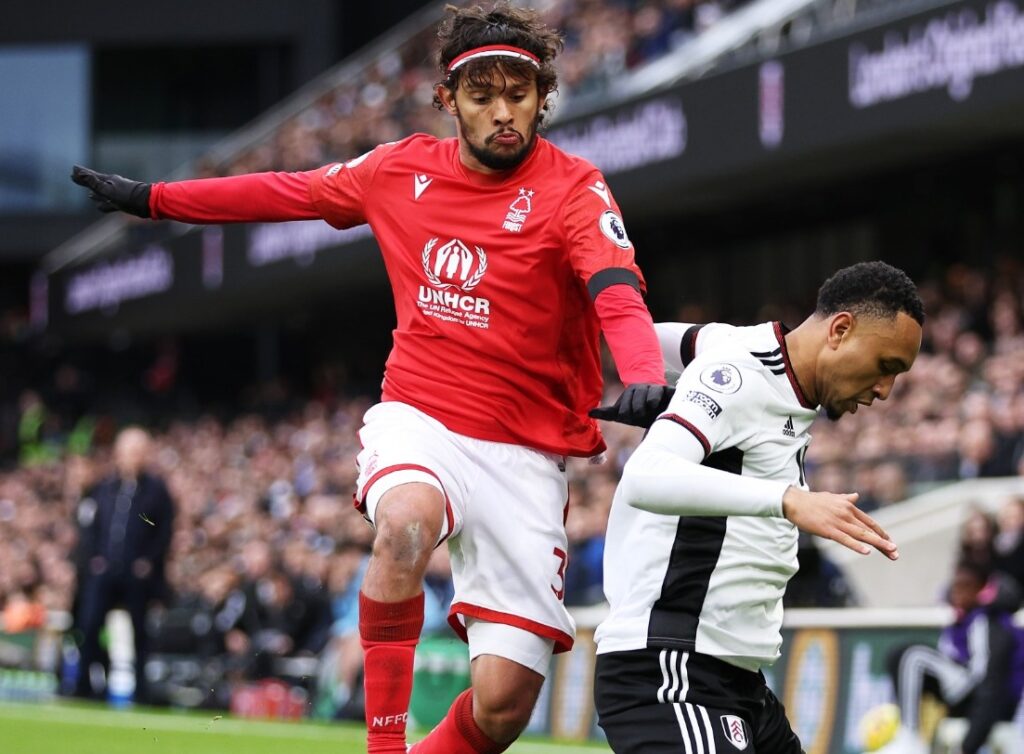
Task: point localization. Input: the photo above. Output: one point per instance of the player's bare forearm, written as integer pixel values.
(837, 517)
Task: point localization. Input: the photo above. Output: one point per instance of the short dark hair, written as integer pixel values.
(873, 288)
(465, 29)
(979, 571)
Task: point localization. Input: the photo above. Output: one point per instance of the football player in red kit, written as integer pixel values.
(507, 258)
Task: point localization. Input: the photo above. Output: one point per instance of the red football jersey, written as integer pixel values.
(497, 337)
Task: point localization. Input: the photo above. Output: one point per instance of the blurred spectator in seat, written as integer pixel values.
(977, 450)
(1009, 540)
(977, 535)
(23, 612)
(585, 527)
(124, 526)
(340, 683)
(36, 440)
(818, 582)
(438, 591)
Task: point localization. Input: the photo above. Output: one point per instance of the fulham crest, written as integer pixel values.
(735, 732)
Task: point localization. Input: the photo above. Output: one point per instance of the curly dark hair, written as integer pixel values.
(468, 28)
(873, 288)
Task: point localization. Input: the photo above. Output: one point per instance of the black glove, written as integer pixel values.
(112, 192)
(638, 405)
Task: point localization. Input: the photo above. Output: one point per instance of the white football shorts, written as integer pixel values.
(504, 518)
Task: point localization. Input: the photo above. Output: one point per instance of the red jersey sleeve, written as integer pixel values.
(602, 255)
(599, 249)
(628, 328)
(340, 191)
(255, 197)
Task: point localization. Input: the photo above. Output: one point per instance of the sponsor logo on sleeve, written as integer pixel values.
(722, 378)
(706, 402)
(613, 228)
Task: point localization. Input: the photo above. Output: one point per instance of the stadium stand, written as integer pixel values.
(276, 465)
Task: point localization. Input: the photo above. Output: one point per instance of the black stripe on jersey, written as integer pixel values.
(801, 457)
(612, 276)
(694, 555)
(766, 354)
(688, 345)
(776, 362)
(779, 371)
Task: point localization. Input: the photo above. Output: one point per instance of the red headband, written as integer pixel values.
(491, 51)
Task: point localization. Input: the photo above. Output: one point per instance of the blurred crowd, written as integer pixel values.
(391, 96)
(267, 551)
(995, 543)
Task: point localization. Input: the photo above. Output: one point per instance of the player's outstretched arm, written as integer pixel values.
(837, 517)
(256, 197)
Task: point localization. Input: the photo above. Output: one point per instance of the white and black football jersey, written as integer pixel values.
(710, 577)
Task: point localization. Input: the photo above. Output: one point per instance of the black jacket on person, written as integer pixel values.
(148, 526)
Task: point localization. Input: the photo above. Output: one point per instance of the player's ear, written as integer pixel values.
(839, 326)
(447, 97)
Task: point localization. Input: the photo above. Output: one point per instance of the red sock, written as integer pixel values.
(458, 733)
(389, 632)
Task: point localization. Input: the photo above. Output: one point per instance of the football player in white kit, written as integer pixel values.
(702, 537)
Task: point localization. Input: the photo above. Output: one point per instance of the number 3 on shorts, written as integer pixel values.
(563, 559)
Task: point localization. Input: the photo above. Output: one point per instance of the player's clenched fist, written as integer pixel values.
(838, 518)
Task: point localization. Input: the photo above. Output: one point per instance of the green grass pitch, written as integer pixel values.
(96, 729)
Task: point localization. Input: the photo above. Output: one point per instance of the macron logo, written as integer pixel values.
(419, 185)
(602, 191)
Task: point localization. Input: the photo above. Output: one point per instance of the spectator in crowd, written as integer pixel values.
(340, 683)
(585, 527)
(977, 669)
(278, 617)
(124, 526)
(977, 539)
(1009, 540)
(819, 582)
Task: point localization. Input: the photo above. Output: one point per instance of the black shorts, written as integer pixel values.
(652, 701)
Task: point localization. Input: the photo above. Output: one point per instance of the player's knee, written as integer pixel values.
(503, 716)
(405, 536)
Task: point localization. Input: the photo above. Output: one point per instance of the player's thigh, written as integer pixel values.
(666, 728)
(509, 561)
(406, 457)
